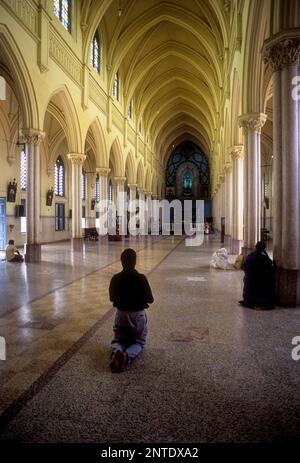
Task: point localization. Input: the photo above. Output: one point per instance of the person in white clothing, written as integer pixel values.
(12, 254)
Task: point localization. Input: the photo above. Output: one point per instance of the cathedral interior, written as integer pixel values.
(155, 101)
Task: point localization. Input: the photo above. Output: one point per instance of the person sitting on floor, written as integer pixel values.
(259, 279)
(11, 253)
(130, 293)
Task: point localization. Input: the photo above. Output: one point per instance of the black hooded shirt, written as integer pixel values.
(129, 290)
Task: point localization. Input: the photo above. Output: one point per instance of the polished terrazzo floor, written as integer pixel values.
(211, 370)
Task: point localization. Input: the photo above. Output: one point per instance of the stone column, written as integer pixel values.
(77, 159)
(282, 53)
(252, 124)
(103, 205)
(132, 200)
(33, 138)
(120, 204)
(148, 211)
(228, 197)
(90, 195)
(222, 197)
(237, 154)
(142, 211)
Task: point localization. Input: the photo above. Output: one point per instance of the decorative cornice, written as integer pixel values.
(32, 136)
(282, 49)
(252, 122)
(77, 158)
(236, 151)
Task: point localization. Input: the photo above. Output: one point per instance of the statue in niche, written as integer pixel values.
(93, 202)
(12, 191)
(187, 183)
(49, 197)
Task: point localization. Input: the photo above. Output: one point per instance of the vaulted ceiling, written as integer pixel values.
(170, 55)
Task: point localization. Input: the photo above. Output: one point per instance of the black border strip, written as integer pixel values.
(15, 407)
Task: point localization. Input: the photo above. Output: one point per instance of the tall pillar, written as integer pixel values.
(252, 124)
(282, 53)
(142, 211)
(77, 161)
(148, 200)
(132, 200)
(120, 204)
(33, 139)
(222, 197)
(237, 154)
(103, 206)
(228, 198)
(90, 195)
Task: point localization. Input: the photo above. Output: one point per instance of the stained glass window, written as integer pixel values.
(96, 53)
(116, 87)
(83, 185)
(62, 9)
(189, 152)
(59, 177)
(187, 183)
(23, 171)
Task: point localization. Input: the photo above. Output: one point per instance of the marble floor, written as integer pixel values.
(211, 371)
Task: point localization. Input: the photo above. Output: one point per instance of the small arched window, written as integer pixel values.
(23, 170)
(96, 53)
(116, 87)
(59, 177)
(62, 9)
(83, 183)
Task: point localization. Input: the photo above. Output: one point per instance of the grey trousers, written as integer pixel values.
(130, 329)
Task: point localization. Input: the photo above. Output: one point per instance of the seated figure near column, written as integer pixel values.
(130, 293)
(259, 279)
(12, 254)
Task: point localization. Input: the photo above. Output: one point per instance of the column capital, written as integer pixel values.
(120, 180)
(236, 151)
(252, 121)
(132, 185)
(282, 49)
(103, 171)
(32, 136)
(77, 158)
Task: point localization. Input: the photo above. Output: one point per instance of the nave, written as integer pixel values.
(211, 370)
